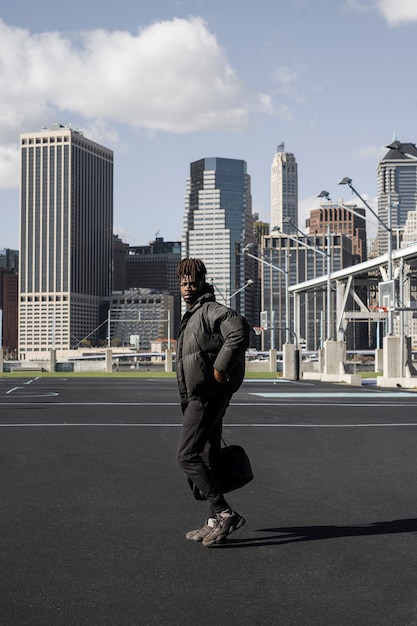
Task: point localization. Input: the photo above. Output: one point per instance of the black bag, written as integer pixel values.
(234, 471)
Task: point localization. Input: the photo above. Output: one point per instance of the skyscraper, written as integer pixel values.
(66, 215)
(8, 310)
(218, 223)
(397, 192)
(119, 264)
(284, 190)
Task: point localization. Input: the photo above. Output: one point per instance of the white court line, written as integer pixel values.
(233, 404)
(88, 403)
(337, 394)
(170, 425)
(277, 381)
(34, 395)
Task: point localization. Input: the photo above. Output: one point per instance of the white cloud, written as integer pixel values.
(286, 80)
(172, 76)
(285, 76)
(395, 12)
(371, 152)
(126, 235)
(9, 166)
(398, 11)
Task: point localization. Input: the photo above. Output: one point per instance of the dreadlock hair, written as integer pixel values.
(194, 268)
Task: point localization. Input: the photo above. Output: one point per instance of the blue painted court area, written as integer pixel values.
(94, 510)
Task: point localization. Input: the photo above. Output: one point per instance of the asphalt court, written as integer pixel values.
(94, 509)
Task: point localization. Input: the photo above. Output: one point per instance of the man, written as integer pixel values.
(211, 348)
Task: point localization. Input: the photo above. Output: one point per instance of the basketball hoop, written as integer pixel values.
(379, 309)
(258, 330)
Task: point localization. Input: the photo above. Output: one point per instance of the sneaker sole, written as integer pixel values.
(194, 539)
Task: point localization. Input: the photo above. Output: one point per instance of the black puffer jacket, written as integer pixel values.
(211, 336)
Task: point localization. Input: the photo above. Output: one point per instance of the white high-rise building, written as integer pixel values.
(218, 224)
(66, 224)
(284, 190)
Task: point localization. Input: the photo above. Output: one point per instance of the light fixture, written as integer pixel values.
(324, 194)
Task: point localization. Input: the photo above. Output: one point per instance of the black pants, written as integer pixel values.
(200, 444)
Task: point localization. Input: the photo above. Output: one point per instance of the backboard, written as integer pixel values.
(263, 319)
(386, 294)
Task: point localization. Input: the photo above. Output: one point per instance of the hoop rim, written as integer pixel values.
(258, 329)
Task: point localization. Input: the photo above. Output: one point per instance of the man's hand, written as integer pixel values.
(221, 377)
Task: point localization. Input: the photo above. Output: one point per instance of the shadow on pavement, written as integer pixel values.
(293, 534)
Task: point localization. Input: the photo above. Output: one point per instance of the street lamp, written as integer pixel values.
(288, 220)
(325, 194)
(227, 299)
(287, 301)
(388, 228)
(328, 255)
(348, 181)
(247, 284)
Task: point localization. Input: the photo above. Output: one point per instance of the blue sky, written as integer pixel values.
(166, 83)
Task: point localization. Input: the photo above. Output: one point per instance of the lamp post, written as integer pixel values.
(329, 268)
(387, 227)
(287, 301)
(247, 284)
(325, 194)
(227, 299)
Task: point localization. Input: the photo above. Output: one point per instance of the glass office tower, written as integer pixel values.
(218, 223)
(66, 223)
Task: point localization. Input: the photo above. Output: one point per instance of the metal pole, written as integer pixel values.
(108, 329)
(329, 287)
(390, 311)
(271, 308)
(271, 313)
(287, 298)
(169, 329)
(401, 296)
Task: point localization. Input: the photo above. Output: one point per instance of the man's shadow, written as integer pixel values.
(293, 534)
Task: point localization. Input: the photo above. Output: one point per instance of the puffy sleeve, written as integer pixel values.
(234, 330)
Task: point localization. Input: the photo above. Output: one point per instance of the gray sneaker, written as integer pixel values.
(203, 531)
(226, 524)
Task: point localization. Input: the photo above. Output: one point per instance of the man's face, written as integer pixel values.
(191, 289)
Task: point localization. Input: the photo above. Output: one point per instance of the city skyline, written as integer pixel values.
(168, 83)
